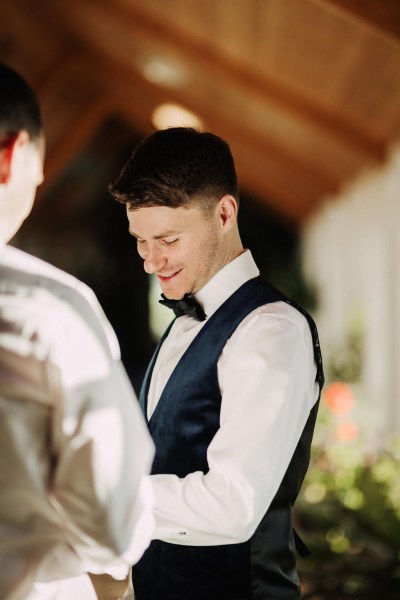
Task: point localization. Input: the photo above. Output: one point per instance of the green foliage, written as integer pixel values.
(349, 510)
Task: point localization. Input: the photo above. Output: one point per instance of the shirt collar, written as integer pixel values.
(226, 281)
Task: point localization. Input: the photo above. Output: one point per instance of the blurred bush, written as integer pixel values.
(349, 508)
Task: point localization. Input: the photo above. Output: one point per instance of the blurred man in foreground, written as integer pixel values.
(73, 443)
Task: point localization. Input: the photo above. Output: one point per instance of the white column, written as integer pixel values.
(351, 255)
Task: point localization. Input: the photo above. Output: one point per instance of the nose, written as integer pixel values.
(153, 258)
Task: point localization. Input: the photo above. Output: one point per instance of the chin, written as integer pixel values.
(173, 294)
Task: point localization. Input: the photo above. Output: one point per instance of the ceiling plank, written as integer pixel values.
(260, 165)
(295, 139)
(379, 14)
(123, 32)
(74, 105)
(316, 155)
(20, 33)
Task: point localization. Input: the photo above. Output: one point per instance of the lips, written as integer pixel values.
(165, 278)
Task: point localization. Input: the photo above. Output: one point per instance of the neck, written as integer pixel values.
(235, 247)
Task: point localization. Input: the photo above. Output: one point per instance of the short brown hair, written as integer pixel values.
(19, 108)
(175, 167)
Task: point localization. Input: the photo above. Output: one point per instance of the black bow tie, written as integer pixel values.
(187, 306)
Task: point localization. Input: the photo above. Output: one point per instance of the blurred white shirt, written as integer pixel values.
(73, 444)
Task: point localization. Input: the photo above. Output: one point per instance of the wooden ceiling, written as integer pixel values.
(307, 92)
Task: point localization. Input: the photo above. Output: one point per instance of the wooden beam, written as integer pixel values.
(74, 105)
(261, 166)
(320, 151)
(381, 15)
(124, 31)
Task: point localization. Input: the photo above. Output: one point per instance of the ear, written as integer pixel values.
(8, 147)
(227, 211)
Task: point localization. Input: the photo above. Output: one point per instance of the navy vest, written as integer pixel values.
(182, 426)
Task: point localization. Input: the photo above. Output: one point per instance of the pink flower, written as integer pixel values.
(339, 397)
(346, 432)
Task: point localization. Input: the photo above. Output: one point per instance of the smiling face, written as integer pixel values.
(183, 247)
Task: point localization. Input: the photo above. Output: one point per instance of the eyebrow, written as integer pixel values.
(157, 237)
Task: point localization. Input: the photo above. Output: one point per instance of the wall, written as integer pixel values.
(351, 252)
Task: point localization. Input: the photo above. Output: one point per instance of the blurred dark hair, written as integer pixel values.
(19, 108)
(174, 167)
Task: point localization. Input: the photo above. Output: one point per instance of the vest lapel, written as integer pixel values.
(144, 390)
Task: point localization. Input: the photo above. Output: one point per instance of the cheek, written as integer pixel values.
(207, 256)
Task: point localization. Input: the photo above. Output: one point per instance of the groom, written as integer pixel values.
(230, 396)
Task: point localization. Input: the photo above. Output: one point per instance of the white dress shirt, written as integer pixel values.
(73, 444)
(266, 375)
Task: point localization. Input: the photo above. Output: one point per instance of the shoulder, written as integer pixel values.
(273, 341)
(275, 313)
(35, 292)
(22, 269)
(270, 328)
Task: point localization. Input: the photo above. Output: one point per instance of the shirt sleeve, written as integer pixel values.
(267, 379)
(102, 448)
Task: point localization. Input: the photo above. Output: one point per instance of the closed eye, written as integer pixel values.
(169, 242)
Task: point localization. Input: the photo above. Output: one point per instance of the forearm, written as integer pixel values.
(104, 452)
(202, 510)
